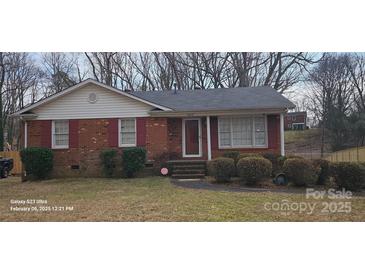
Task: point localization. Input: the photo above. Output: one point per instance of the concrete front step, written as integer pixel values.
(188, 171)
(188, 176)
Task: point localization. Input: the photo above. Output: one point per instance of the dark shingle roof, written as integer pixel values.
(218, 99)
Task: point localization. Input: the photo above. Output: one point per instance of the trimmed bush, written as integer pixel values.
(222, 169)
(300, 172)
(350, 176)
(134, 159)
(253, 169)
(323, 167)
(232, 155)
(276, 160)
(245, 155)
(108, 160)
(37, 161)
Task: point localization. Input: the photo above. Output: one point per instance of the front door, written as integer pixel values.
(191, 137)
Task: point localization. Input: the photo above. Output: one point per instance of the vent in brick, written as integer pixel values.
(75, 167)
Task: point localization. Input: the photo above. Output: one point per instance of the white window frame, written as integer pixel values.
(54, 146)
(253, 132)
(120, 131)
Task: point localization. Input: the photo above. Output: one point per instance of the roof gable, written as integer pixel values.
(79, 86)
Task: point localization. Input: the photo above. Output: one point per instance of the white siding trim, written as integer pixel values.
(76, 105)
(82, 84)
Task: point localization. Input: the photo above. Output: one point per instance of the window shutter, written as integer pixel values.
(214, 132)
(73, 133)
(113, 132)
(141, 131)
(273, 128)
(46, 133)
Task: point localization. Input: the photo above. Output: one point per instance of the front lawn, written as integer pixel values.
(152, 199)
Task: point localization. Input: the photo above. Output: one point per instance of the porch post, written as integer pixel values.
(208, 139)
(25, 134)
(282, 135)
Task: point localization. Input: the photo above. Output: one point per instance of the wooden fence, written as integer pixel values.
(15, 155)
(348, 155)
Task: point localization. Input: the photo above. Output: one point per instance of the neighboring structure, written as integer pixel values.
(296, 120)
(80, 121)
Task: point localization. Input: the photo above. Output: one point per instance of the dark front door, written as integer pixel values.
(192, 132)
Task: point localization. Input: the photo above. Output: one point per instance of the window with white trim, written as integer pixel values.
(60, 133)
(242, 131)
(127, 132)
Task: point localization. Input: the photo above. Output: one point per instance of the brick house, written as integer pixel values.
(295, 120)
(82, 120)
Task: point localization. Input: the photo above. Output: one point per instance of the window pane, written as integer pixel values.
(61, 133)
(260, 139)
(225, 131)
(127, 125)
(242, 131)
(127, 132)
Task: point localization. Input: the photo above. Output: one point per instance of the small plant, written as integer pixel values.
(108, 160)
(134, 159)
(350, 176)
(253, 169)
(323, 167)
(300, 172)
(222, 169)
(37, 161)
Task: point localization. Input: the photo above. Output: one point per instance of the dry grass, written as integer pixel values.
(152, 199)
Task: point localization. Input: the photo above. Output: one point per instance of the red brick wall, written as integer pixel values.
(291, 119)
(89, 137)
(156, 137)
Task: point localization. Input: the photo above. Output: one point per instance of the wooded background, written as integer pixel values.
(328, 85)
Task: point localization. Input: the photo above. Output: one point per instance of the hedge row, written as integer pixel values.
(133, 160)
(252, 168)
(38, 161)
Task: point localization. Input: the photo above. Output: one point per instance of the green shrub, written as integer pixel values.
(350, 176)
(108, 160)
(253, 169)
(134, 159)
(294, 157)
(323, 167)
(232, 154)
(245, 155)
(276, 160)
(37, 161)
(222, 169)
(300, 171)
